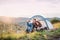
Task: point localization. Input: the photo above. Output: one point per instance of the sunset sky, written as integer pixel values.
(28, 8)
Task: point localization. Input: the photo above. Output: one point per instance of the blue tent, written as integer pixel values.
(46, 21)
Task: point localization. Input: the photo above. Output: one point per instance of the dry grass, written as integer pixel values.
(56, 25)
(35, 35)
(23, 33)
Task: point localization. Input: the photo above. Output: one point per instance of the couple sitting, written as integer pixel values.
(32, 25)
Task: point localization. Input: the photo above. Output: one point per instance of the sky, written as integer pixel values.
(29, 8)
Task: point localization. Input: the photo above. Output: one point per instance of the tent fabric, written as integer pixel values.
(47, 23)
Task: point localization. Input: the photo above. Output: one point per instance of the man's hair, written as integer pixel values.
(34, 19)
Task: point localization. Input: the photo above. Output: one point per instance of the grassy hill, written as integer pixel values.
(41, 35)
(16, 31)
(44, 35)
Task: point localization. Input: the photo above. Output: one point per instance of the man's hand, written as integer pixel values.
(28, 20)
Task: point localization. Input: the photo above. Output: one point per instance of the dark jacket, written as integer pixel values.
(37, 25)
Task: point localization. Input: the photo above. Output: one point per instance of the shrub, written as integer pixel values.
(55, 20)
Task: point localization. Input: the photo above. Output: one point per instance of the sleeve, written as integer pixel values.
(28, 24)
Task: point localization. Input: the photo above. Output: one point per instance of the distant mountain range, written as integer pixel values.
(19, 20)
(53, 18)
(12, 19)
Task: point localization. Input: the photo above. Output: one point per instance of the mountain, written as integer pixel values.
(53, 18)
(20, 20)
(6, 19)
(12, 20)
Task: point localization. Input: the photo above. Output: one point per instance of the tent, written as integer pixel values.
(45, 22)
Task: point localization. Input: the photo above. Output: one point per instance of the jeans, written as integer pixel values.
(29, 27)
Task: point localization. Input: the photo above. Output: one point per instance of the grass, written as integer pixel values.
(22, 36)
(42, 35)
(56, 25)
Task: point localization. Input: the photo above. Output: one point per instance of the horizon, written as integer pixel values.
(25, 17)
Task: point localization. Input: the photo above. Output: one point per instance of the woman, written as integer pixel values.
(36, 24)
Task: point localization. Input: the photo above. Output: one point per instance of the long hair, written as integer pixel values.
(38, 24)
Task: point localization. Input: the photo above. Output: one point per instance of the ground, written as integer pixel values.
(56, 25)
(44, 35)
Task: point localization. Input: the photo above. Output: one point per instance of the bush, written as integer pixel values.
(54, 35)
(55, 20)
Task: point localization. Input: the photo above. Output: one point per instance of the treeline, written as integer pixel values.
(55, 20)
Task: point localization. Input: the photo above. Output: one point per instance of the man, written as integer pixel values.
(29, 26)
